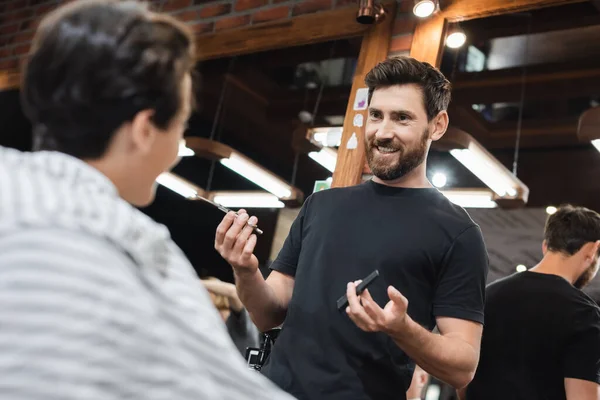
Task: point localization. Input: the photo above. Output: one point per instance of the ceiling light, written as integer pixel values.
(439, 179)
(596, 144)
(326, 136)
(424, 8)
(244, 166)
(471, 198)
(258, 175)
(327, 157)
(521, 268)
(179, 185)
(456, 39)
(184, 151)
(246, 199)
(551, 210)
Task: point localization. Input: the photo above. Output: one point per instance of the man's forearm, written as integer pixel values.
(449, 359)
(260, 300)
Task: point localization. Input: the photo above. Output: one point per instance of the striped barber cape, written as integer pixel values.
(97, 302)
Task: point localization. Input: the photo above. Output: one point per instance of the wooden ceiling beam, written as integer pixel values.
(302, 30)
(544, 20)
(546, 82)
(461, 10)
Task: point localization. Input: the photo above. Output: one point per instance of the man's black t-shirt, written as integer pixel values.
(425, 246)
(539, 330)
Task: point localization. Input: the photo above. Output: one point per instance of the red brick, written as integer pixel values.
(45, 9)
(404, 24)
(16, 5)
(30, 24)
(202, 28)
(9, 64)
(190, 15)
(4, 52)
(9, 29)
(21, 49)
(271, 14)
(401, 43)
(215, 10)
(311, 6)
(173, 5)
(279, 1)
(232, 22)
(242, 5)
(20, 15)
(24, 37)
(345, 3)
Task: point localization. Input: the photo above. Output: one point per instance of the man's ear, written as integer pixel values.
(544, 247)
(143, 132)
(440, 125)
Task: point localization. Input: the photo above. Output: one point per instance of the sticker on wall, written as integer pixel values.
(361, 99)
(358, 120)
(352, 142)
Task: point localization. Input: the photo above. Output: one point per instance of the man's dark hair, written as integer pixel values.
(406, 70)
(569, 228)
(94, 65)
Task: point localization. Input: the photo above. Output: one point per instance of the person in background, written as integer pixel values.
(98, 302)
(542, 336)
(418, 383)
(242, 330)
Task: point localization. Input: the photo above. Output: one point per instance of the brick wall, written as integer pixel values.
(19, 18)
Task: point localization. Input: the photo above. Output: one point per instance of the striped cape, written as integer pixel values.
(97, 302)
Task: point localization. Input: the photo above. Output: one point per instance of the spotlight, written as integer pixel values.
(456, 38)
(551, 210)
(424, 8)
(521, 268)
(439, 179)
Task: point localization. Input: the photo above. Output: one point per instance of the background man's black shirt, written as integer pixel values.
(539, 330)
(425, 246)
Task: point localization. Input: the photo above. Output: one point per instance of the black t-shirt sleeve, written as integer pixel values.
(460, 292)
(287, 259)
(582, 352)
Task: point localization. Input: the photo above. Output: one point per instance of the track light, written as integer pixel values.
(456, 38)
(424, 8)
(588, 129)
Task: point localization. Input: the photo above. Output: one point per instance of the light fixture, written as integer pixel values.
(424, 8)
(184, 151)
(258, 175)
(471, 198)
(179, 185)
(551, 210)
(456, 38)
(470, 153)
(244, 166)
(521, 268)
(330, 136)
(439, 179)
(246, 199)
(327, 157)
(596, 144)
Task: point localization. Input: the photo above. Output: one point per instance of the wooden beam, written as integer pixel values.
(374, 49)
(461, 10)
(545, 20)
(302, 30)
(544, 82)
(10, 79)
(428, 40)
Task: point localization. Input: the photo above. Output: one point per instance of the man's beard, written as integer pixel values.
(407, 159)
(587, 275)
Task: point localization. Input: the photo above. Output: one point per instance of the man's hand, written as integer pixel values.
(226, 289)
(235, 241)
(369, 317)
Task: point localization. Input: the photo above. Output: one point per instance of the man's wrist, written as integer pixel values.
(402, 330)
